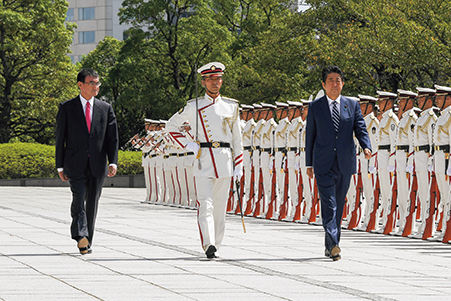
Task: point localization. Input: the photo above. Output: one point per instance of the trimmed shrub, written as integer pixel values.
(33, 160)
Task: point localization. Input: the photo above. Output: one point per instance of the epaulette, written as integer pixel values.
(230, 99)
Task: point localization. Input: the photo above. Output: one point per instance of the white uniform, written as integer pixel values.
(442, 142)
(280, 142)
(267, 161)
(293, 164)
(368, 170)
(259, 203)
(219, 131)
(404, 163)
(423, 142)
(307, 183)
(248, 132)
(388, 127)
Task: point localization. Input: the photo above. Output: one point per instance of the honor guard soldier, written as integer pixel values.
(280, 149)
(256, 147)
(388, 127)
(293, 144)
(368, 168)
(404, 156)
(219, 148)
(307, 183)
(149, 161)
(442, 168)
(423, 147)
(267, 157)
(247, 133)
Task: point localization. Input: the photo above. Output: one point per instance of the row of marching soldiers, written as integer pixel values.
(404, 189)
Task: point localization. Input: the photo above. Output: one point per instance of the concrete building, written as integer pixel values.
(95, 20)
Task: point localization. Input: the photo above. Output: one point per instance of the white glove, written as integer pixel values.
(193, 146)
(372, 169)
(448, 171)
(390, 168)
(409, 168)
(271, 164)
(237, 174)
(431, 168)
(296, 165)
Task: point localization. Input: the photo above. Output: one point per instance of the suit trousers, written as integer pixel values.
(212, 196)
(332, 189)
(86, 192)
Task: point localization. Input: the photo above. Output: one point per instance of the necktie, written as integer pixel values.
(88, 116)
(335, 116)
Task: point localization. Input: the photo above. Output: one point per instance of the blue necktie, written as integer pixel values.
(335, 116)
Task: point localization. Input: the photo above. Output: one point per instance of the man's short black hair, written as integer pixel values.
(332, 69)
(84, 73)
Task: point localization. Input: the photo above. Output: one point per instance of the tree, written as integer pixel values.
(34, 67)
(380, 44)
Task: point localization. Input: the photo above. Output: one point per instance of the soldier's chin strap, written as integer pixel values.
(385, 106)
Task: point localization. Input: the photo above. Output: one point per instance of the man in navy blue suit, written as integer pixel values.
(330, 151)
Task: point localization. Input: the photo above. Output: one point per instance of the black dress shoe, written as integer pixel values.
(211, 252)
(83, 246)
(333, 253)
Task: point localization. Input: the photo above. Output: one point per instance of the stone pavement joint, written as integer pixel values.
(152, 252)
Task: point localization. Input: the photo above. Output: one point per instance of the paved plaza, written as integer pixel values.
(145, 251)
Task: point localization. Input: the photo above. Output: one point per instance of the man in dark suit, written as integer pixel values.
(86, 136)
(330, 151)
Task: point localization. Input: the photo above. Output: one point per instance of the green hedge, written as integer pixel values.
(32, 160)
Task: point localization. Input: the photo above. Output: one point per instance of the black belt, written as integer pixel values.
(425, 148)
(444, 148)
(268, 150)
(386, 147)
(165, 156)
(255, 147)
(292, 149)
(154, 155)
(189, 153)
(403, 148)
(173, 155)
(247, 148)
(214, 144)
(280, 149)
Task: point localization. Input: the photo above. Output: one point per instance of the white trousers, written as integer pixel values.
(212, 196)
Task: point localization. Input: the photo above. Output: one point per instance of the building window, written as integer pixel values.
(86, 37)
(72, 59)
(70, 14)
(86, 13)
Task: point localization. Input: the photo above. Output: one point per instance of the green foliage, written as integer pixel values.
(32, 160)
(34, 67)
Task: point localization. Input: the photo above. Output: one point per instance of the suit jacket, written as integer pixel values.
(74, 144)
(322, 142)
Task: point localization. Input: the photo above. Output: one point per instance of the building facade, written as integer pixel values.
(95, 20)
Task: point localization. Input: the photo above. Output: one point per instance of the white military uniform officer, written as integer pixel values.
(423, 144)
(280, 143)
(442, 142)
(248, 132)
(388, 127)
(266, 155)
(293, 143)
(256, 138)
(368, 167)
(404, 155)
(221, 153)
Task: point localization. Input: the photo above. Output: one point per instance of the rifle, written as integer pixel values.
(127, 145)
